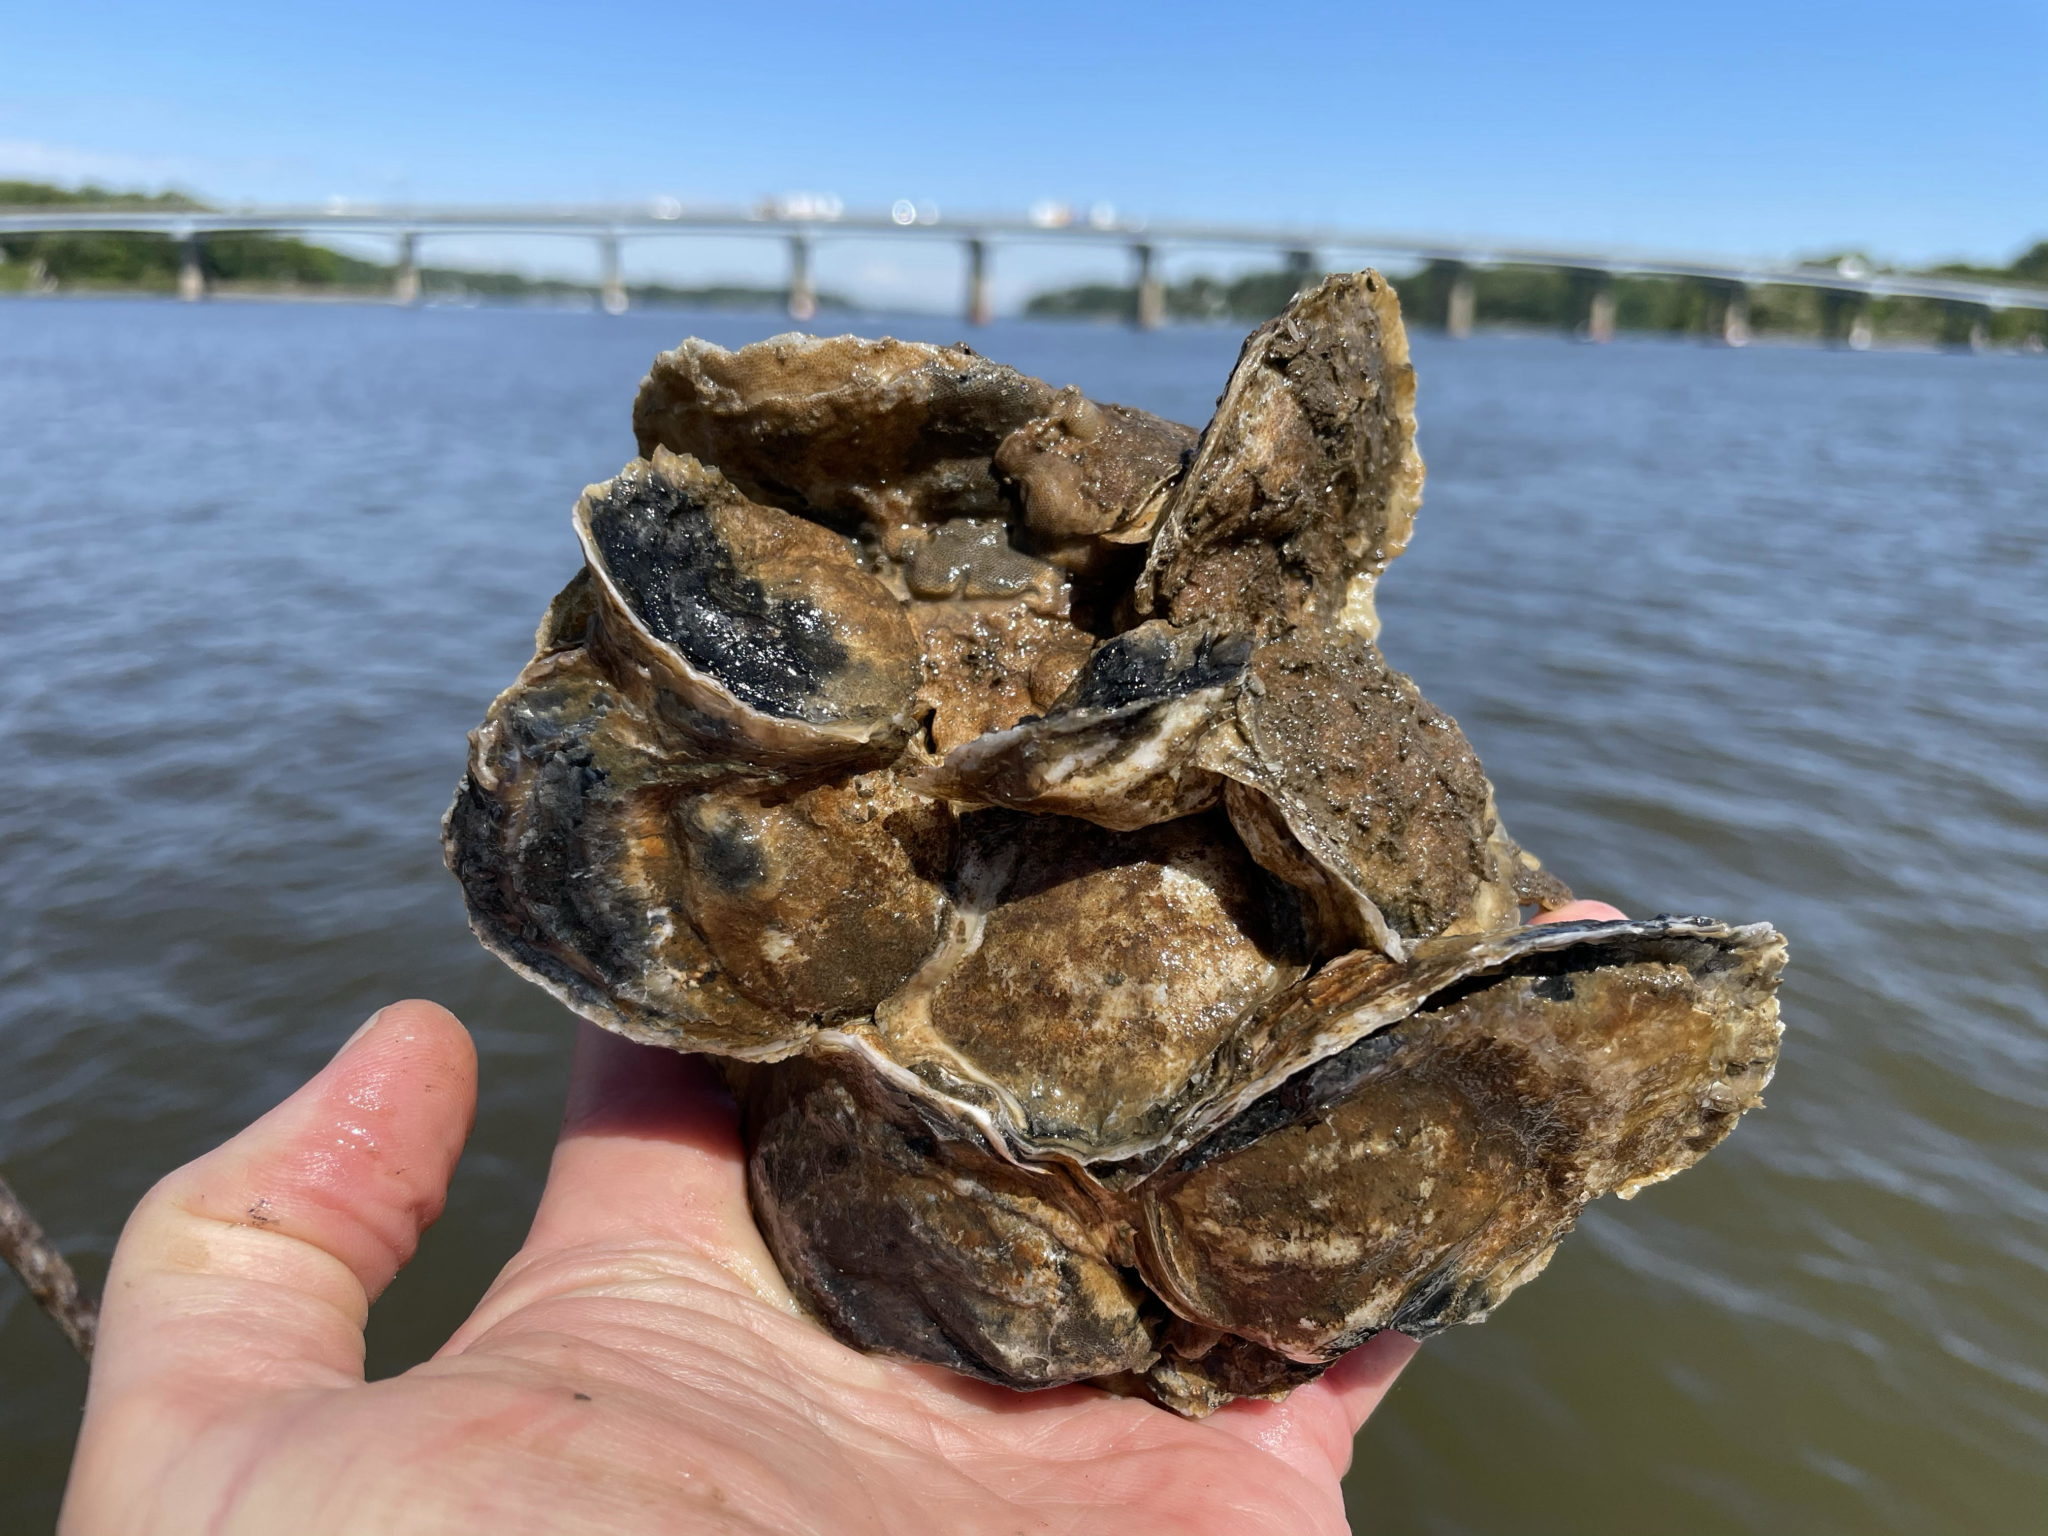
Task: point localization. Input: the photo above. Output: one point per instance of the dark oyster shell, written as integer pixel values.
(1121, 966)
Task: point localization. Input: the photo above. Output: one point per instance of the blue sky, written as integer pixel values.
(1914, 132)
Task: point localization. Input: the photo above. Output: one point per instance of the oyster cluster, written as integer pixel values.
(1121, 967)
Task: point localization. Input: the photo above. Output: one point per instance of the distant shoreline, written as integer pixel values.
(771, 306)
(570, 302)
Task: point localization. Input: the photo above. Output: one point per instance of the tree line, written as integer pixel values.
(142, 263)
(1551, 298)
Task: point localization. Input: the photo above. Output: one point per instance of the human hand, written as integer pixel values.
(639, 1366)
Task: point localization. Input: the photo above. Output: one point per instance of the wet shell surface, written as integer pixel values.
(1120, 966)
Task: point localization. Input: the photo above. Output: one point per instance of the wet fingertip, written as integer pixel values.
(361, 1030)
(414, 1031)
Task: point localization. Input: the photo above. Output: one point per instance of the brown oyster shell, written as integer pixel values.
(1129, 961)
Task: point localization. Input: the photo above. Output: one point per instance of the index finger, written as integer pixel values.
(650, 1151)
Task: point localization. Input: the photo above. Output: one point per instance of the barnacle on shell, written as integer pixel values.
(1121, 965)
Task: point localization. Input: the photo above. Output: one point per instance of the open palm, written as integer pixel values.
(638, 1367)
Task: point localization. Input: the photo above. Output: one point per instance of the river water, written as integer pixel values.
(1758, 634)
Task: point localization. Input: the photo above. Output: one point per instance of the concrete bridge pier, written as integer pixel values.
(611, 282)
(1301, 268)
(1845, 319)
(1595, 290)
(1735, 316)
(1724, 312)
(980, 308)
(1600, 314)
(1461, 304)
(1150, 312)
(1966, 326)
(802, 291)
(405, 277)
(192, 285)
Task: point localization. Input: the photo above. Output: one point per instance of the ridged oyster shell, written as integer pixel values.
(1120, 965)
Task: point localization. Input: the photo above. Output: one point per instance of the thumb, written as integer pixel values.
(254, 1267)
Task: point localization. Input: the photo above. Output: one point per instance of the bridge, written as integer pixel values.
(803, 224)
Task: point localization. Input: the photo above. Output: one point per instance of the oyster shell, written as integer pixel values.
(1120, 965)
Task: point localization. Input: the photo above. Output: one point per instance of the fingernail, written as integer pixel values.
(363, 1029)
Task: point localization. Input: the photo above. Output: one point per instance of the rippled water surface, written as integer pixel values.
(1757, 634)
